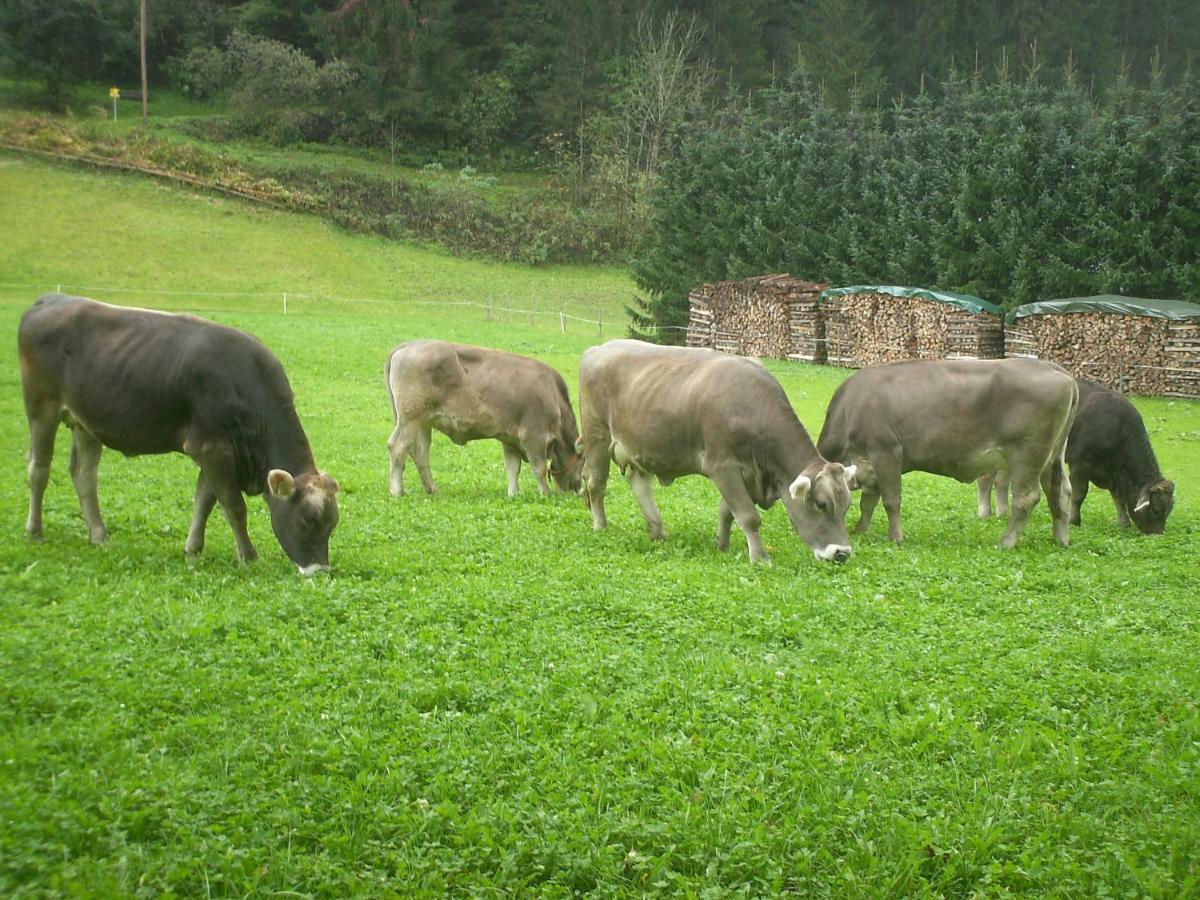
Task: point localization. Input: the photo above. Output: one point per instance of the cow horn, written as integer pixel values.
(851, 473)
(799, 488)
(1142, 505)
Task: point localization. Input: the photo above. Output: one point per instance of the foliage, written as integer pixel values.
(60, 41)
(486, 697)
(1010, 189)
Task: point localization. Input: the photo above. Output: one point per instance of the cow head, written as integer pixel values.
(304, 512)
(1154, 504)
(816, 503)
(566, 465)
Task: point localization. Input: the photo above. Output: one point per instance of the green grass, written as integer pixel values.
(487, 697)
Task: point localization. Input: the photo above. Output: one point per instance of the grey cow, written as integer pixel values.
(475, 393)
(673, 411)
(142, 381)
(961, 419)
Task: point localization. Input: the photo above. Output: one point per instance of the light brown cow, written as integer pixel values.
(960, 418)
(674, 411)
(474, 393)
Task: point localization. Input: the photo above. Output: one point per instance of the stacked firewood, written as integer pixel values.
(769, 315)
(1182, 378)
(1134, 354)
(868, 329)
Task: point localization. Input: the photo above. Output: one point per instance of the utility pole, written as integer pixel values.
(142, 48)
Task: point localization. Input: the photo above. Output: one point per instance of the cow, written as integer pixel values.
(675, 411)
(1108, 446)
(141, 381)
(958, 418)
(475, 393)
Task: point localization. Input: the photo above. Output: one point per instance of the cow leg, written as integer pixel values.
(206, 499)
(1025, 494)
(983, 490)
(512, 466)
(1001, 480)
(596, 468)
(420, 455)
(398, 454)
(540, 465)
(643, 489)
(724, 520)
(84, 468)
(736, 498)
(1122, 512)
(219, 473)
(1079, 492)
(43, 425)
(887, 482)
(866, 509)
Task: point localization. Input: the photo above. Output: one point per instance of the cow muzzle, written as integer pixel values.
(833, 553)
(312, 569)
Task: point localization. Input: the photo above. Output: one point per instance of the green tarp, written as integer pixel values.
(970, 303)
(1110, 303)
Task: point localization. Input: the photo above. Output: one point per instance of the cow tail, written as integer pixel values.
(387, 380)
(1060, 483)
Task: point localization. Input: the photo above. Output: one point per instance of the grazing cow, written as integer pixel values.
(1108, 447)
(958, 418)
(673, 411)
(473, 393)
(141, 381)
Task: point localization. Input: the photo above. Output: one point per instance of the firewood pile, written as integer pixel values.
(1136, 354)
(768, 315)
(868, 328)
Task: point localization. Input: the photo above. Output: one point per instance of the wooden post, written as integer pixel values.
(489, 308)
(600, 321)
(533, 314)
(562, 323)
(285, 303)
(142, 48)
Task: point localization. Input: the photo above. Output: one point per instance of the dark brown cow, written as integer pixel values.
(1108, 447)
(673, 411)
(473, 393)
(141, 381)
(958, 418)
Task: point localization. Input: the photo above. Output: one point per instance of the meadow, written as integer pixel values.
(486, 697)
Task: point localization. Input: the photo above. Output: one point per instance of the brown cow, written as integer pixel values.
(674, 411)
(141, 381)
(473, 393)
(960, 418)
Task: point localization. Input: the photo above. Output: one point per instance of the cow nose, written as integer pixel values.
(310, 570)
(841, 554)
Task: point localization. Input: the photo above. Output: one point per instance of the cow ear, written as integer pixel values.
(280, 483)
(331, 484)
(852, 478)
(799, 488)
(1163, 487)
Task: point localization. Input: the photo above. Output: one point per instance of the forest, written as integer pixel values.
(1012, 149)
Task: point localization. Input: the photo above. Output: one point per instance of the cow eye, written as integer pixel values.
(822, 506)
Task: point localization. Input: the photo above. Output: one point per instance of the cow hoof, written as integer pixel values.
(1007, 543)
(98, 538)
(36, 537)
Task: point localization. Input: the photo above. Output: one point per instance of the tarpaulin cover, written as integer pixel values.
(1179, 310)
(969, 302)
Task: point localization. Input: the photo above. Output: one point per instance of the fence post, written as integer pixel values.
(600, 321)
(285, 303)
(533, 314)
(489, 306)
(562, 323)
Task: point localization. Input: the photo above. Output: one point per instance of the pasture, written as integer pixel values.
(486, 697)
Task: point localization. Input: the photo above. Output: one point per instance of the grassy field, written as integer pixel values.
(486, 697)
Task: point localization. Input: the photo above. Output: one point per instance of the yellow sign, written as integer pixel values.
(114, 92)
